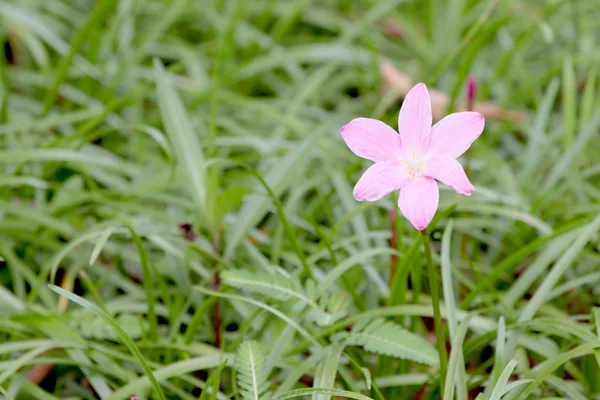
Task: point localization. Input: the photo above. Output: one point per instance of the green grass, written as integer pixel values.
(176, 211)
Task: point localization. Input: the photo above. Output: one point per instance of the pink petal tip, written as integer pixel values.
(371, 139)
(414, 120)
(418, 201)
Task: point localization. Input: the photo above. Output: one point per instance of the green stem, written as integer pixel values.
(437, 315)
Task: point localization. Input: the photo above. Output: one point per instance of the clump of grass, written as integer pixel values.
(176, 199)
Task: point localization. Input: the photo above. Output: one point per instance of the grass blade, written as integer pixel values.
(456, 358)
(569, 92)
(96, 17)
(327, 371)
(122, 335)
(450, 302)
(278, 179)
(552, 277)
(502, 380)
(186, 145)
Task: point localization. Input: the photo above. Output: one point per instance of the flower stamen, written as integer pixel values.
(414, 168)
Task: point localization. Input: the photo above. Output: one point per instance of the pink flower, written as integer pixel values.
(412, 160)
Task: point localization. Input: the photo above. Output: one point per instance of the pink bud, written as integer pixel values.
(134, 398)
(471, 90)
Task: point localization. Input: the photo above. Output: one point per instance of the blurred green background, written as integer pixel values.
(175, 169)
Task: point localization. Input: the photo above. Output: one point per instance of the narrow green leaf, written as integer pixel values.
(558, 269)
(533, 155)
(359, 223)
(15, 365)
(96, 17)
(563, 165)
(32, 181)
(24, 17)
(538, 268)
(264, 306)
(552, 277)
(569, 98)
(100, 244)
(296, 374)
(278, 179)
(410, 258)
(341, 268)
(327, 371)
(596, 318)
(122, 335)
(213, 383)
(569, 391)
(456, 358)
(449, 298)
(11, 303)
(148, 282)
(173, 370)
(509, 262)
(367, 375)
(86, 156)
(589, 97)
(5, 394)
(502, 380)
(500, 346)
(450, 302)
(229, 198)
(186, 145)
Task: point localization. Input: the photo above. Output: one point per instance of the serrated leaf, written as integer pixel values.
(332, 392)
(251, 370)
(332, 308)
(278, 287)
(385, 337)
(274, 286)
(92, 326)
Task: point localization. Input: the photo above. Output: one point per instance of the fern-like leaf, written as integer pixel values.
(251, 371)
(275, 286)
(332, 308)
(385, 337)
(324, 310)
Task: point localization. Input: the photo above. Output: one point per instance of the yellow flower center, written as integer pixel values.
(414, 168)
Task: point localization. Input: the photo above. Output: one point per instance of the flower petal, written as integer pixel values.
(380, 179)
(419, 201)
(454, 134)
(371, 139)
(414, 121)
(449, 171)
